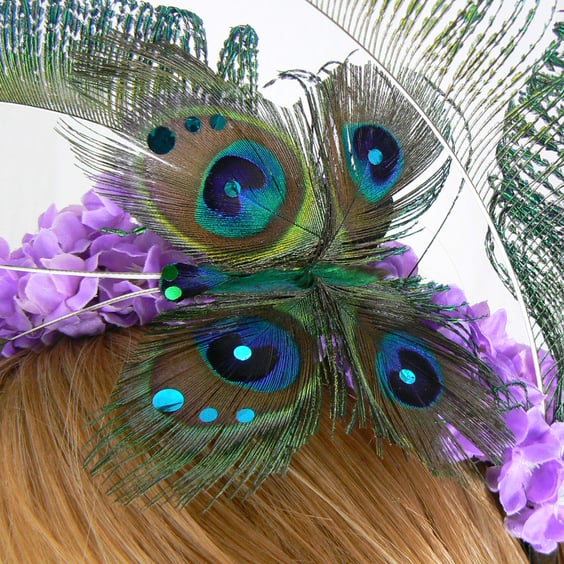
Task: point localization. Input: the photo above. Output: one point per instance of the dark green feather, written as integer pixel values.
(42, 37)
(528, 206)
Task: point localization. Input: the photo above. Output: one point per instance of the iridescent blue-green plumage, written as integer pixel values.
(283, 213)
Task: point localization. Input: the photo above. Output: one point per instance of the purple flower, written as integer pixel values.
(529, 469)
(400, 261)
(530, 482)
(78, 238)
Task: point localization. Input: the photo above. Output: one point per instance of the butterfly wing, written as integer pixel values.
(416, 372)
(220, 397)
(214, 172)
(384, 163)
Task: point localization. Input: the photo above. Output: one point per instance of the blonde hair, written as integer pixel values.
(338, 502)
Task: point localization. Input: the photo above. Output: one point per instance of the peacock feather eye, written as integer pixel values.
(408, 372)
(242, 190)
(374, 157)
(253, 353)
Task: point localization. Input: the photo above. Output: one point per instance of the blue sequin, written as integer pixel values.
(193, 124)
(245, 415)
(232, 188)
(407, 376)
(242, 352)
(218, 122)
(208, 415)
(168, 400)
(375, 156)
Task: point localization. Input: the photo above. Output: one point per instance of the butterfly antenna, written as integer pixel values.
(93, 307)
(84, 274)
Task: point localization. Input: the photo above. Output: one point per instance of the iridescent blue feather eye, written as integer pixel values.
(374, 157)
(241, 192)
(252, 353)
(408, 372)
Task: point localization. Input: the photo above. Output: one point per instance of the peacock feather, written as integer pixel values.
(283, 215)
(527, 206)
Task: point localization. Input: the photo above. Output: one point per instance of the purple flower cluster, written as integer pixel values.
(530, 481)
(79, 238)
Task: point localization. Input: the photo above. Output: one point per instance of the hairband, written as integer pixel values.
(265, 254)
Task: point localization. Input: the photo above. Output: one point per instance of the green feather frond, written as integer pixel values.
(238, 59)
(41, 37)
(457, 48)
(528, 206)
(137, 82)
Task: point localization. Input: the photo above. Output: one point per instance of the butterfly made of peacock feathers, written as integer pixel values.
(284, 215)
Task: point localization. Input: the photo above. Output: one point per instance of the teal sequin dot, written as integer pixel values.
(218, 122)
(172, 293)
(208, 415)
(170, 273)
(242, 352)
(375, 156)
(161, 140)
(168, 400)
(193, 124)
(232, 189)
(407, 376)
(245, 415)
